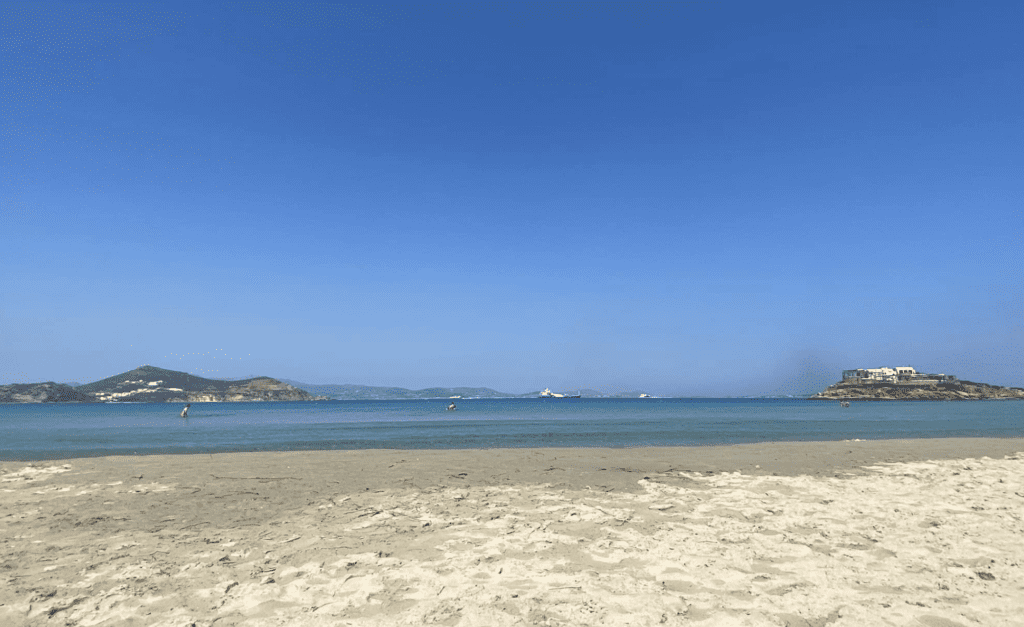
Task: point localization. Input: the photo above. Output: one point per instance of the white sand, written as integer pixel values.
(90, 542)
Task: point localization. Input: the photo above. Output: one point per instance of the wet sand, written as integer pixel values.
(902, 532)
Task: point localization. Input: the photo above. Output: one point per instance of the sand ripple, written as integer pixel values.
(938, 544)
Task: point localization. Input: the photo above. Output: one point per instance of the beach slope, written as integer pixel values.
(925, 532)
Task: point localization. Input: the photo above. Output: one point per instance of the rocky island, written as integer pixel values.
(889, 391)
(149, 384)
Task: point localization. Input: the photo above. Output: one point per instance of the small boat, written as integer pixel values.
(451, 407)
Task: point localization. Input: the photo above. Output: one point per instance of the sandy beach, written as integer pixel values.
(909, 532)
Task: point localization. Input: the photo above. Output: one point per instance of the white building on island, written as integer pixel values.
(904, 375)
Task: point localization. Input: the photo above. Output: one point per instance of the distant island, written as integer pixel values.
(904, 383)
(149, 384)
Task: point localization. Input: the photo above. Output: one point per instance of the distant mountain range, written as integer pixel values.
(350, 391)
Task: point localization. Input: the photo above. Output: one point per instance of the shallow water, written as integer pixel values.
(50, 431)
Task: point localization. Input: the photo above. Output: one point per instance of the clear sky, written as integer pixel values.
(702, 198)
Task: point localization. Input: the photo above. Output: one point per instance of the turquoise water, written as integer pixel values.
(33, 431)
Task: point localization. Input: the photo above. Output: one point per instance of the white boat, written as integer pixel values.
(547, 393)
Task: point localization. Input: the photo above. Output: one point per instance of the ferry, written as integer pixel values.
(547, 393)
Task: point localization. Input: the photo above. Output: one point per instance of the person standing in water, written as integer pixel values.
(184, 412)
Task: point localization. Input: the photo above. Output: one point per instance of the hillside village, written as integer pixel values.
(902, 375)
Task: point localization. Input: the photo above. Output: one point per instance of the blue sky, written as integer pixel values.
(705, 198)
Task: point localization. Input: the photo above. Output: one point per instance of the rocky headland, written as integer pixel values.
(955, 391)
(48, 392)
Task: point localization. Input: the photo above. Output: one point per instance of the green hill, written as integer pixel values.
(158, 385)
(149, 374)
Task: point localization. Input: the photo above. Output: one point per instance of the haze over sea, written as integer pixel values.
(35, 431)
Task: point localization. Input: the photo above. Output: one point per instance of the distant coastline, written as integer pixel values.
(349, 391)
(150, 384)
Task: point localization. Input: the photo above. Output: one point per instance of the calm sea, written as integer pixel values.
(34, 431)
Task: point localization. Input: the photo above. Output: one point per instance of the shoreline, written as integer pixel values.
(785, 458)
(880, 532)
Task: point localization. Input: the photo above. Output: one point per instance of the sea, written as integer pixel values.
(62, 431)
